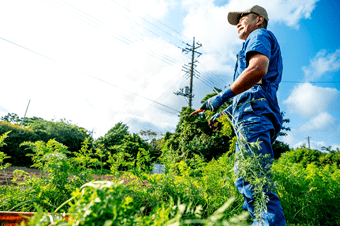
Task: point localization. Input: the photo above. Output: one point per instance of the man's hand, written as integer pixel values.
(213, 103)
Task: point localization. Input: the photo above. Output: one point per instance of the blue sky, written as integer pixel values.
(97, 63)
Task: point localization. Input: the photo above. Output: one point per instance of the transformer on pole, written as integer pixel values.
(190, 68)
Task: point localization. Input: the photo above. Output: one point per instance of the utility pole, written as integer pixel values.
(25, 113)
(190, 68)
(308, 138)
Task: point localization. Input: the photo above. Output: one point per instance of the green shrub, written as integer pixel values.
(13, 141)
(307, 192)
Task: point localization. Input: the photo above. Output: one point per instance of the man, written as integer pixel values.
(255, 110)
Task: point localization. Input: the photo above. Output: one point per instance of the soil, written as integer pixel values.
(9, 173)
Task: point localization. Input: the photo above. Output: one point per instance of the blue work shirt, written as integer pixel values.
(259, 104)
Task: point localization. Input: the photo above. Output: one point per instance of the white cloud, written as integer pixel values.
(308, 100)
(113, 42)
(335, 146)
(290, 138)
(321, 122)
(321, 64)
(289, 12)
(208, 23)
(313, 144)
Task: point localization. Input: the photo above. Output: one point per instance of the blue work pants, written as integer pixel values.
(252, 132)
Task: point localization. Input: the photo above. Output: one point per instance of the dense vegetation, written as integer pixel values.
(37, 129)
(197, 186)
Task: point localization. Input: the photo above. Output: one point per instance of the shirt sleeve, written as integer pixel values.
(258, 41)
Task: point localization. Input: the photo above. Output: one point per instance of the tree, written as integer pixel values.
(11, 117)
(62, 131)
(13, 141)
(114, 136)
(15, 119)
(155, 145)
(194, 136)
(284, 129)
(131, 144)
(280, 147)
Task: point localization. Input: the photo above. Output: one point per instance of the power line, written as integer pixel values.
(27, 49)
(121, 37)
(150, 22)
(143, 25)
(146, 98)
(206, 83)
(209, 72)
(160, 97)
(163, 23)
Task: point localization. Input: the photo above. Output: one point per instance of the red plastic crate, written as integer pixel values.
(14, 218)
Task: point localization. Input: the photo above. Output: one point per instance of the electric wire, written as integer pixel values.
(171, 89)
(162, 23)
(209, 85)
(27, 49)
(146, 98)
(127, 40)
(214, 82)
(121, 37)
(207, 80)
(149, 22)
(209, 72)
(143, 25)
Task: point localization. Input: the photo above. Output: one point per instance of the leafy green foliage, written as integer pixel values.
(11, 118)
(15, 119)
(14, 139)
(279, 147)
(202, 191)
(62, 131)
(3, 156)
(307, 156)
(59, 176)
(85, 161)
(130, 144)
(155, 145)
(114, 136)
(284, 129)
(196, 189)
(41, 149)
(38, 129)
(308, 193)
(107, 203)
(194, 136)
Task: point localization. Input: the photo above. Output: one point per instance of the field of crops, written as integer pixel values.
(98, 188)
(190, 192)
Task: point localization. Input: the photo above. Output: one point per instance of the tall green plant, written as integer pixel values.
(252, 166)
(40, 149)
(107, 203)
(84, 161)
(3, 156)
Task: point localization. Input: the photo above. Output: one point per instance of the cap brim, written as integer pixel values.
(233, 17)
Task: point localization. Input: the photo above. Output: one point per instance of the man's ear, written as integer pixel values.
(259, 21)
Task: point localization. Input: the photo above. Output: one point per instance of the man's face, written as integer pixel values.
(246, 25)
